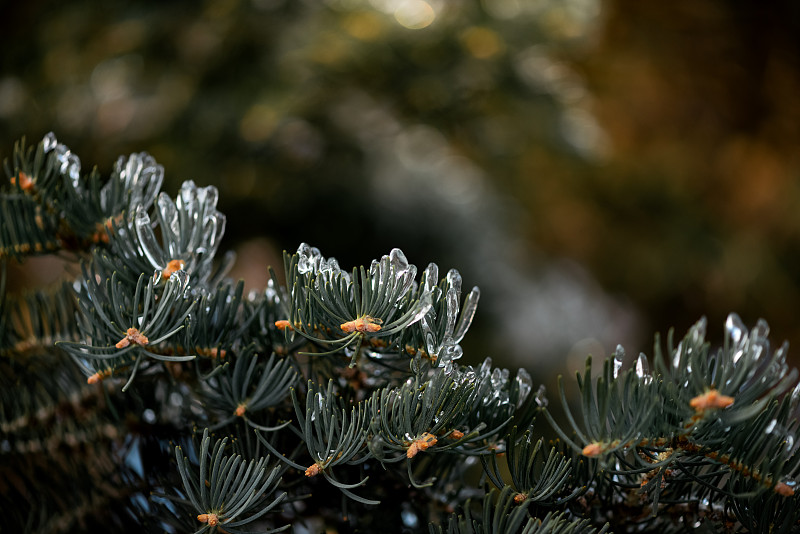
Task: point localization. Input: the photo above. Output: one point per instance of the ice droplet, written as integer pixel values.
(698, 331)
(70, 163)
(404, 273)
(449, 352)
(187, 197)
(796, 392)
(643, 369)
(399, 262)
(499, 378)
(761, 331)
(308, 258)
(524, 385)
(676, 358)
(430, 277)
(49, 142)
(735, 329)
(485, 366)
(541, 397)
(619, 356)
(454, 280)
(771, 426)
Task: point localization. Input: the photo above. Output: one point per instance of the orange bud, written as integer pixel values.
(781, 488)
(363, 324)
(132, 336)
(423, 443)
(313, 470)
(211, 519)
(24, 181)
(592, 450)
(710, 400)
(173, 266)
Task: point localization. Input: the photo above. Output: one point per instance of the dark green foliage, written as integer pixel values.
(336, 400)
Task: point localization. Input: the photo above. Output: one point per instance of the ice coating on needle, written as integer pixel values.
(467, 314)
(444, 327)
(430, 277)
(147, 239)
(141, 175)
(190, 229)
(168, 220)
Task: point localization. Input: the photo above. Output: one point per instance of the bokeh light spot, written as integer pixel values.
(482, 43)
(415, 14)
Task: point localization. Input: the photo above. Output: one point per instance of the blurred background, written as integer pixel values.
(602, 170)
